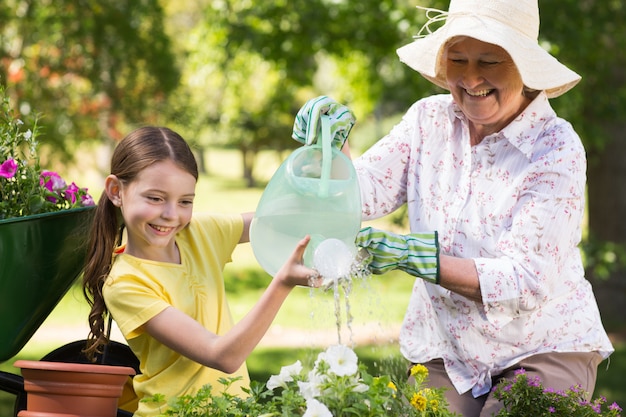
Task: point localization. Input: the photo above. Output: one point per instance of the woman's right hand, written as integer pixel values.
(307, 125)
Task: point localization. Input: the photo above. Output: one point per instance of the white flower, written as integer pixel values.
(286, 375)
(312, 389)
(308, 390)
(360, 387)
(316, 378)
(292, 370)
(341, 359)
(315, 408)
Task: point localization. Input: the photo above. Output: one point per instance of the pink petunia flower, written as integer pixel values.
(52, 181)
(87, 200)
(8, 168)
(70, 193)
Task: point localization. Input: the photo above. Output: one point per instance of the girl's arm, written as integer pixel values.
(228, 352)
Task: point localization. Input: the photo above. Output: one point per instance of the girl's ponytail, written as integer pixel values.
(103, 240)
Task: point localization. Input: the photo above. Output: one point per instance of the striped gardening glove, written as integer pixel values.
(307, 126)
(416, 254)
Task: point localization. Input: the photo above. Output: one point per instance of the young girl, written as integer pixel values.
(164, 287)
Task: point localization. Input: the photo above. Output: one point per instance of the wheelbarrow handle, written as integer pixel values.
(11, 383)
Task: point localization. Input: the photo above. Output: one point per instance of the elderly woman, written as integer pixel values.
(494, 182)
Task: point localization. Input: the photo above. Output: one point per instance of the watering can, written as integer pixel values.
(314, 192)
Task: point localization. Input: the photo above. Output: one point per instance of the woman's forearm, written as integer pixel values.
(460, 276)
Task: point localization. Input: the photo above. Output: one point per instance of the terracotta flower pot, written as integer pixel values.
(62, 389)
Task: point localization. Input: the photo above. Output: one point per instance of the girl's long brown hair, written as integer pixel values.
(137, 151)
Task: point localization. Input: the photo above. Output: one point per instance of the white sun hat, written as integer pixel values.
(511, 24)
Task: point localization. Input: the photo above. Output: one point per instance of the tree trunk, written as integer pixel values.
(607, 204)
(607, 192)
(248, 156)
(201, 159)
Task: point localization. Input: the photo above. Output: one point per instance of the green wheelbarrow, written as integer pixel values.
(41, 256)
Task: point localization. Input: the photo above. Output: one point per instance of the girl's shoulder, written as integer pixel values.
(212, 232)
(211, 222)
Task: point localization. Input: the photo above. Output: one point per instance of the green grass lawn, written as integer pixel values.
(379, 300)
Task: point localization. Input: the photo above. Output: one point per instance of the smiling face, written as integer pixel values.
(485, 83)
(156, 205)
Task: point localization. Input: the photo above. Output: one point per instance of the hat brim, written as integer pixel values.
(539, 70)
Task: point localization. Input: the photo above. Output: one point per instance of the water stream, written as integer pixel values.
(339, 265)
(346, 287)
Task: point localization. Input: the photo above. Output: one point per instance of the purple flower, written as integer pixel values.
(552, 410)
(52, 181)
(87, 200)
(70, 193)
(576, 388)
(520, 371)
(615, 407)
(534, 382)
(8, 168)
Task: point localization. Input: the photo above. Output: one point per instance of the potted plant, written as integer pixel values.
(337, 385)
(526, 396)
(77, 389)
(44, 223)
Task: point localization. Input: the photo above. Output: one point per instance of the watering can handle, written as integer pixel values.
(327, 156)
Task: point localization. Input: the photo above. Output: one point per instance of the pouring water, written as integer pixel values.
(334, 260)
(338, 264)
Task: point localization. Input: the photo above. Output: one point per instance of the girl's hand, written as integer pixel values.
(293, 272)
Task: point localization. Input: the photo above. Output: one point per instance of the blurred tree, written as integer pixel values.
(231, 95)
(250, 66)
(590, 36)
(89, 67)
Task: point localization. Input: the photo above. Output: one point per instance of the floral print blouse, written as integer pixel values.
(514, 204)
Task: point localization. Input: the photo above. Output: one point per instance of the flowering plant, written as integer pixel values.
(25, 188)
(526, 396)
(337, 386)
